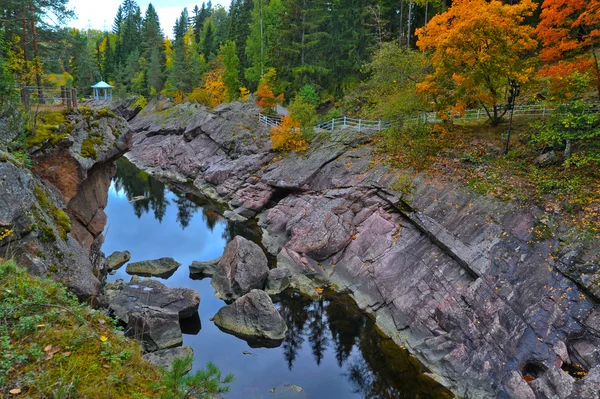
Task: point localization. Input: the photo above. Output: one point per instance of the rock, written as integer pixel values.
(157, 328)
(165, 357)
(546, 159)
(254, 318)
(234, 217)
(242, 267)
(163, 267)
(200, 270)
(117, 259)
(474, 295)
(137, 295)
(277, 281)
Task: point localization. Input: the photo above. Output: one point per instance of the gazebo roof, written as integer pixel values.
(101, 85)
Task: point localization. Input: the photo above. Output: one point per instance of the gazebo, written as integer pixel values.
(102, 86)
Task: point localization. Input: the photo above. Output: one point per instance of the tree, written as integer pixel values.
(570, 33)
(231, 62)
(265, 98)
(204, 384)
(266, 20)
(239, 26)
(572, 125)
(477, 47)
(391, 90)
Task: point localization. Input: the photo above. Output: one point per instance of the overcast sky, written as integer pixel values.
(99, 12)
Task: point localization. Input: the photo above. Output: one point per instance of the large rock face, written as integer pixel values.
(253, 317)
(461, 280)
(242, 267)
(55, 211)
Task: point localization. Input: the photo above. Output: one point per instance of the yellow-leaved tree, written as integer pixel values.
(288, 136)
(478, 46)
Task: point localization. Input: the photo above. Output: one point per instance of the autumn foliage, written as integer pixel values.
(288, 136)
(478, 46)
(265, 97)
(570, 32)
(213, 92)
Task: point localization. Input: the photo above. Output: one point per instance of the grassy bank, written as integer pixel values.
(52, 346)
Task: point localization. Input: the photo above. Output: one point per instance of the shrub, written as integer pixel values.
(288, 136)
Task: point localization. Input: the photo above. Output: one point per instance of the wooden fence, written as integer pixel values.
(49, 96)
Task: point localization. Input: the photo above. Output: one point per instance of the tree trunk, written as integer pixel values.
(24, 43)
(38, 76)
(568, 149)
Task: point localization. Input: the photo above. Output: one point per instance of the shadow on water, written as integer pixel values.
(331, 350)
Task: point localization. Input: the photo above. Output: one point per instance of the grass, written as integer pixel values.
(472, 154)
(53, 346)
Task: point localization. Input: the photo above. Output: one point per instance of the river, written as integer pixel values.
(332, 348)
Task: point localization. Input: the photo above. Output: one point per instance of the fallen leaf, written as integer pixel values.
(106, 366)
(15, 391)
(103, 338)
(101, 321)
(67, 354)
(47, 348)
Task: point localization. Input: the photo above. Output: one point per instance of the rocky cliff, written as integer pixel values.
(498, 299)
(52, 215)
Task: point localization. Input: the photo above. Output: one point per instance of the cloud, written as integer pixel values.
(100, 13)
(168, 16)
(96, 13)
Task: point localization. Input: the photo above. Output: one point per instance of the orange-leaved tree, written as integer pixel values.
(265, 97)
(478, 46)
(288, 136)
(570, 34)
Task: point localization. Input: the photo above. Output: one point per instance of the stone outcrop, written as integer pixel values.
(461, 280)
(54, 211)
(254, 318)
(242, 267)
(163, 267)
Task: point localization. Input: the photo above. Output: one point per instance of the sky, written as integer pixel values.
(98, 13)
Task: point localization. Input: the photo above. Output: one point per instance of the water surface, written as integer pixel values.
(332, 349)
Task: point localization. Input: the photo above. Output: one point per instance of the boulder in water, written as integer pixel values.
(242, 267)
(200, 270)
(117, 259)
(163, 267)
(254, 318)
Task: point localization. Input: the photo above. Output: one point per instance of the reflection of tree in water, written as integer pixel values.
(185, 209)
(387, 371)
(346, 322)
(149, 194)
(137, 183)
(294, 310)
(317, 326)
(210, 217)
(380, 370)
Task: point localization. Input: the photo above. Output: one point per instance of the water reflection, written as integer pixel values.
(331, 349)
(377, 369)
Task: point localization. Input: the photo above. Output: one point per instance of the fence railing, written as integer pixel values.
(53, 96)
(367, 126)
